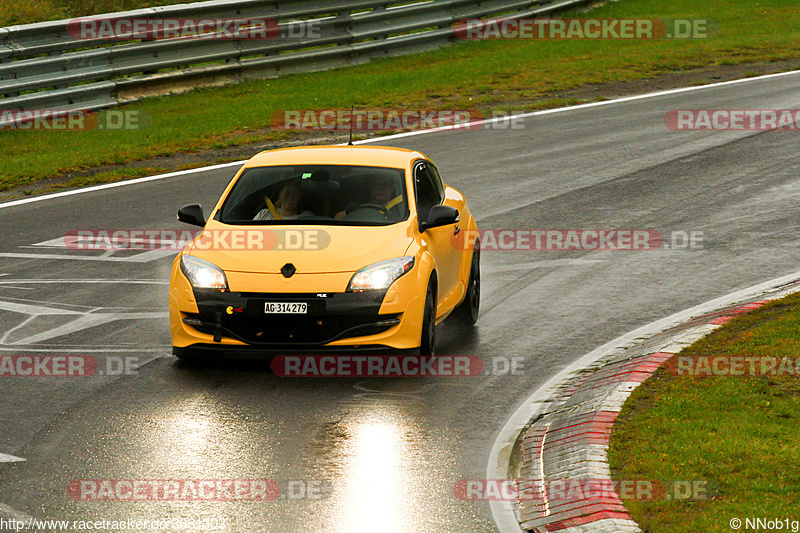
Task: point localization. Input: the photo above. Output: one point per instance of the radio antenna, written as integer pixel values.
(352, 107)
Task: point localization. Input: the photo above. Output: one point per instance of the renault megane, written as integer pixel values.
(336, 248)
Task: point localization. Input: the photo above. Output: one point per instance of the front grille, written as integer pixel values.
(295, 330)
(330, 317)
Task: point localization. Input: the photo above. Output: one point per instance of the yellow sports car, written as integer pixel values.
(326, 249)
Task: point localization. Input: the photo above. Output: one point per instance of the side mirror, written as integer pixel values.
(441, 215)
(192, 214)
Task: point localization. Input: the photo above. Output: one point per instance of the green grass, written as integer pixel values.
(737, 433)
(14, 12)
(518, 75)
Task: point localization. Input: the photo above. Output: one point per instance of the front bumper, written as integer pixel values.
(216, 322)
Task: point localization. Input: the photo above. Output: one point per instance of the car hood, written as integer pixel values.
(311, 249)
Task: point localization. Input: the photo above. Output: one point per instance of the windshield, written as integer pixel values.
(317, 194)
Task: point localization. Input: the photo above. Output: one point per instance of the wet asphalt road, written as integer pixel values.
(386, 452)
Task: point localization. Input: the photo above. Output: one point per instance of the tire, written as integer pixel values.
(427, 343)
(467, 312)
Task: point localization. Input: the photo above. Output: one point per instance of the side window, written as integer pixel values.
(437, 181)
(428, 194)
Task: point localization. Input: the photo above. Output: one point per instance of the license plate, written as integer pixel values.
(290, 308)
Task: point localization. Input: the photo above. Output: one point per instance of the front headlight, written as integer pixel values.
(203, 274)
(380, 275)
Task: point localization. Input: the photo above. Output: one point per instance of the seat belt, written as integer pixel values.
(272, 208)
(394, 201)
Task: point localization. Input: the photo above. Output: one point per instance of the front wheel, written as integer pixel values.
(427, 344)
(467, 311)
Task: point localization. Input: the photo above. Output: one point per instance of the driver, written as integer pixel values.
(286, 207)
(381, 192)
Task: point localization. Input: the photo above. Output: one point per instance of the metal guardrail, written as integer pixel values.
(43, 66)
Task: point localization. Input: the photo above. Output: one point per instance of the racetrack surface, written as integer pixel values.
(391, 449)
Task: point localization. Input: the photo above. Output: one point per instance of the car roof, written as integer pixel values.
(371, 156)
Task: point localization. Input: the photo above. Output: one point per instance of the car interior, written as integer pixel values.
(329, 194)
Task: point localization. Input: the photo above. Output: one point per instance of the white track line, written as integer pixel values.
(103, 351)
(16, 515)
(117, 184)
(90, 281)
(406, 134)
(503, 512)
(7, 510)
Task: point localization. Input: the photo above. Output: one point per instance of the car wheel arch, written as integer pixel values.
(429, 272)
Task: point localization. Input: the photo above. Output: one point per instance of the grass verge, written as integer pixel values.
(14, 12)
(485, 75)
(737, 433)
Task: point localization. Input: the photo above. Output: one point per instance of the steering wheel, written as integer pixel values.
(379, 207)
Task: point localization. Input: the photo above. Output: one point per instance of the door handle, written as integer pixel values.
(457, 230)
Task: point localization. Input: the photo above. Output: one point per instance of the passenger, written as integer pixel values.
(287, 206)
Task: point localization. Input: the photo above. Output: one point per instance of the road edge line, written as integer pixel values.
(458, 127)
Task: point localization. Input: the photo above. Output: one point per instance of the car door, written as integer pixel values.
(439, 241)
